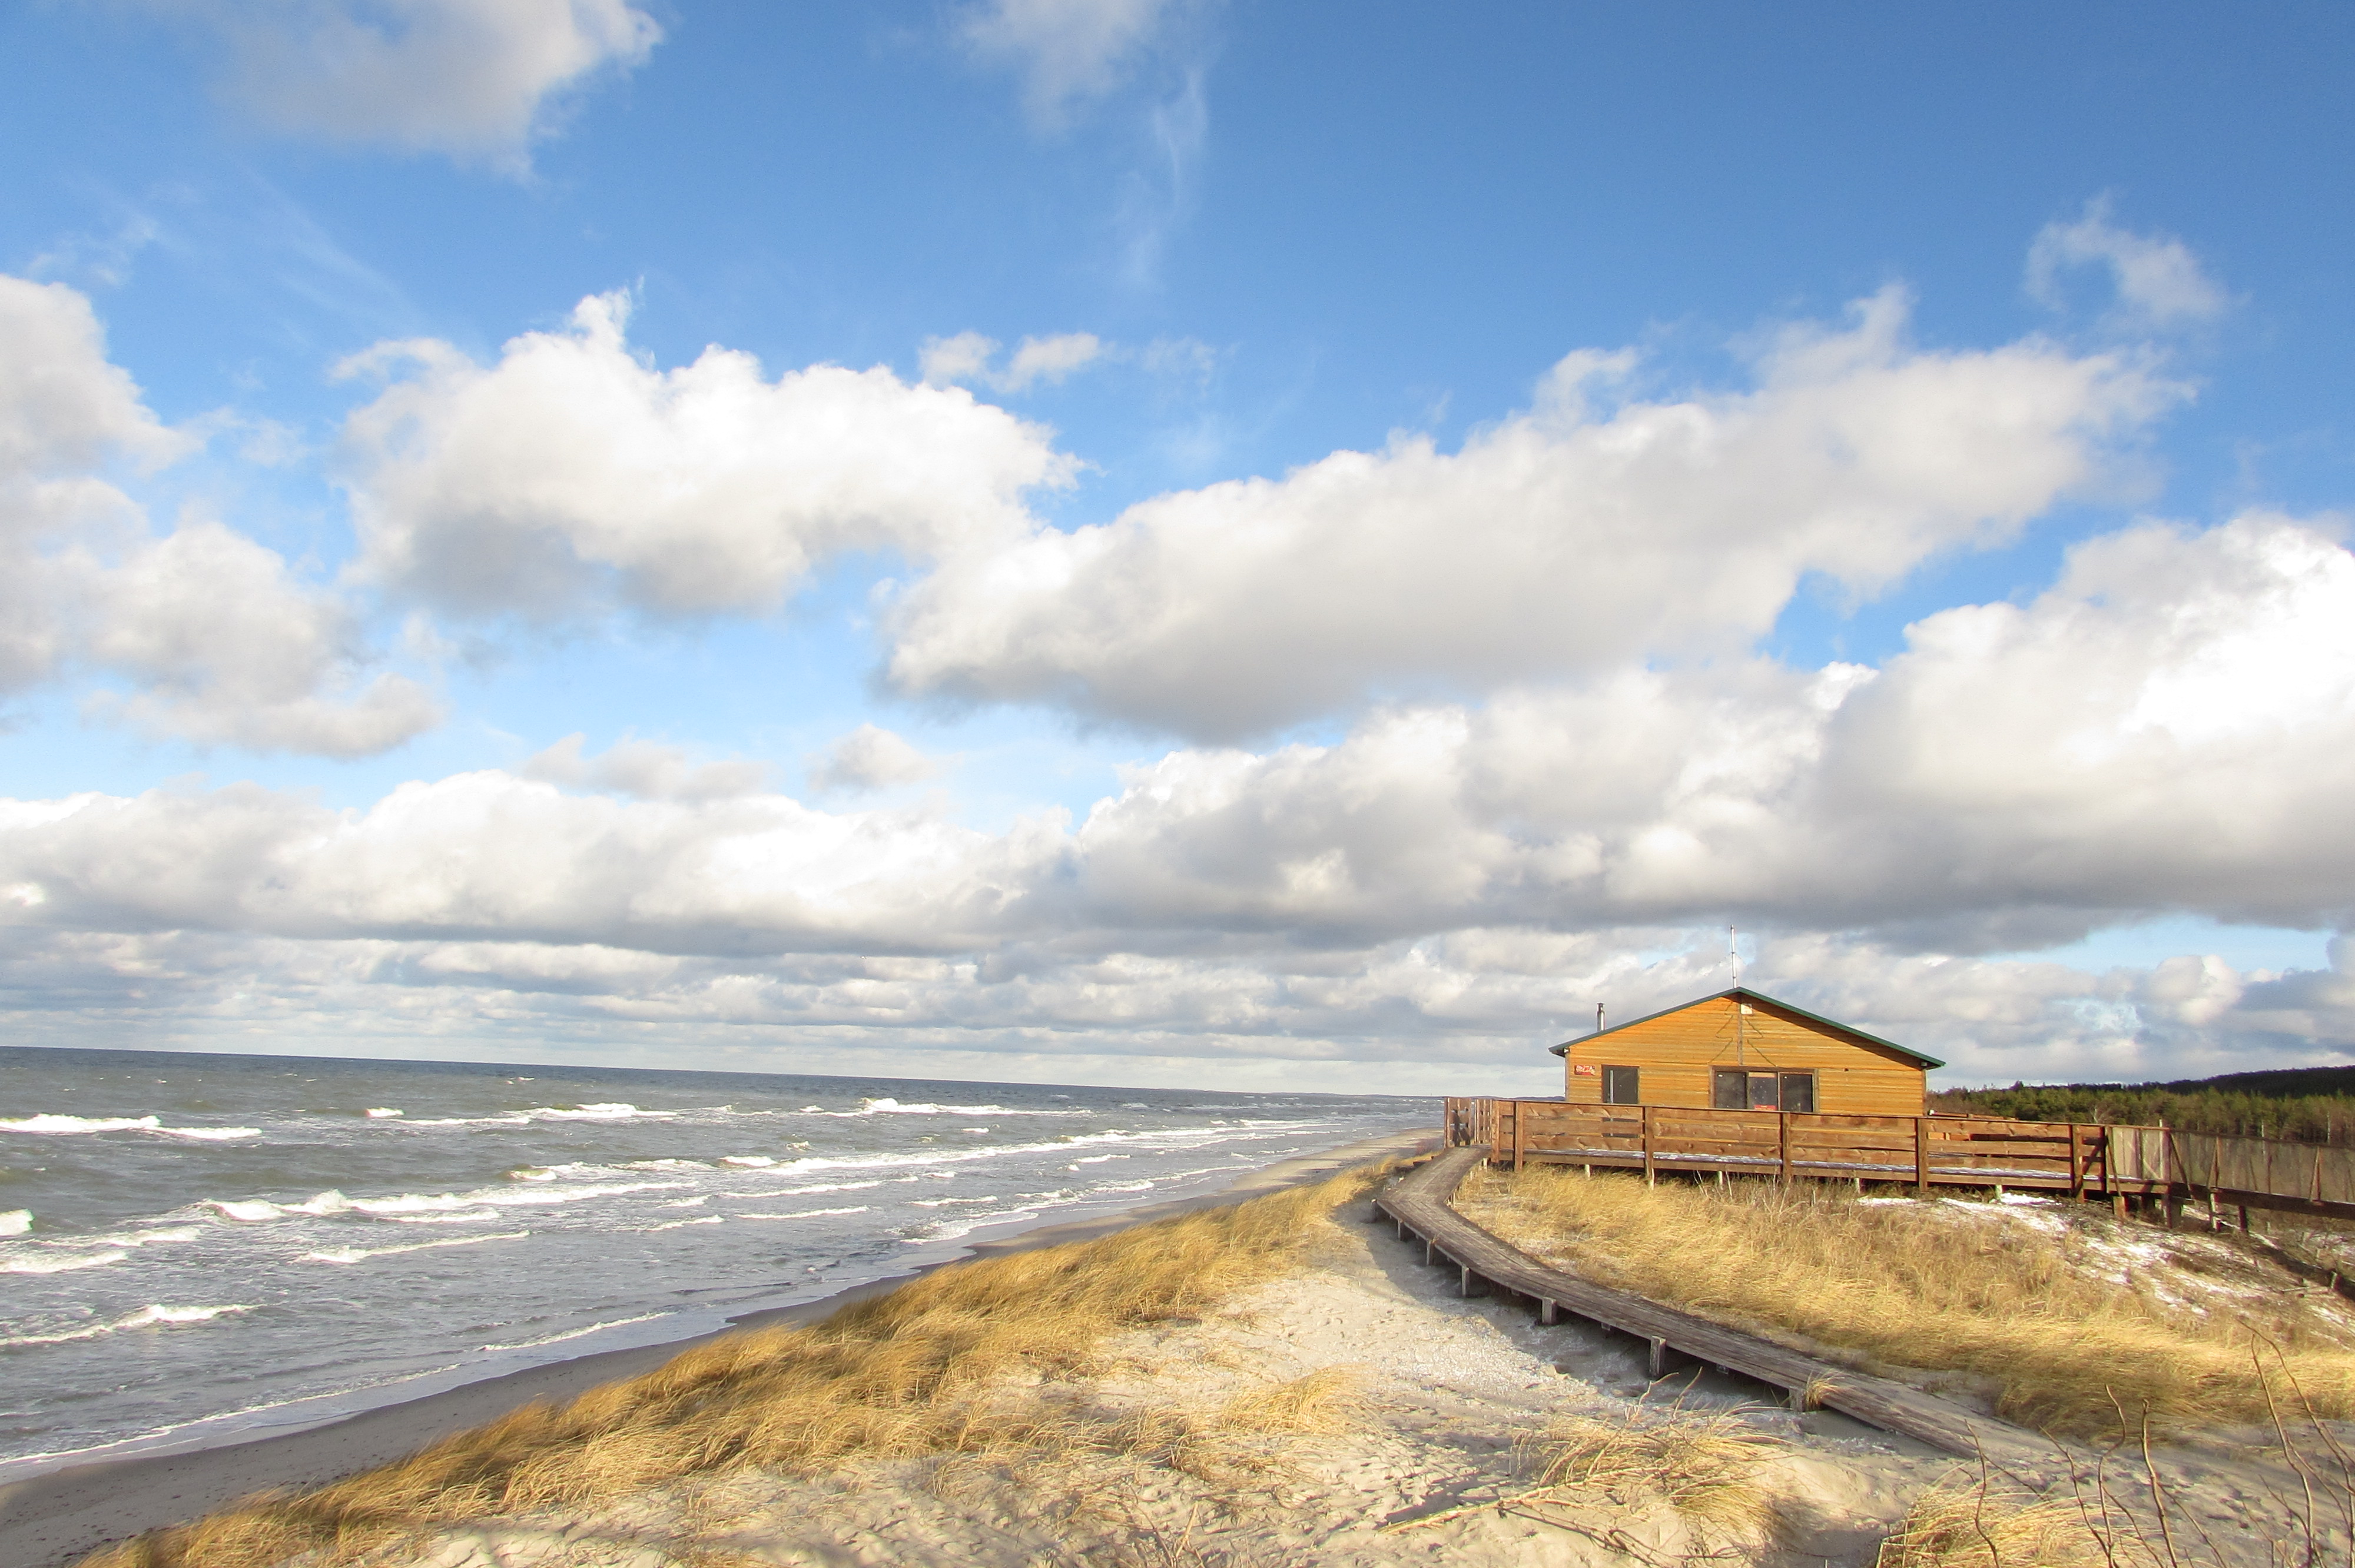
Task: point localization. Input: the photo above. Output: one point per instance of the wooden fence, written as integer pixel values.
(2083, 1158)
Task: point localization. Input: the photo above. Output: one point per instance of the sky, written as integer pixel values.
(1175, 543)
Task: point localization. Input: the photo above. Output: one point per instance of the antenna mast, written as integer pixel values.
(1733, 966)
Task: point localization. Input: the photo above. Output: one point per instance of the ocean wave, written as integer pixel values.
(464, 1217)
(123, 1239)
(573, 1333)
(24, 1263)
(754, 1160)
(616, 1110)
(821, 1187)
(52, 1125)
(382, 1111)
(47, 1123)
(16, 1222)
(802, 1213)
(360, 1253)
(674, 1225)
(256, 1210)
(145, 1318)
(883, 1105)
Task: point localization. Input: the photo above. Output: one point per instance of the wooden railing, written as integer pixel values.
(1978, 1151)
(2083, 1158)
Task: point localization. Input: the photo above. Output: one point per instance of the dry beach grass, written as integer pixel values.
(2085, 1327)
(918, 1371)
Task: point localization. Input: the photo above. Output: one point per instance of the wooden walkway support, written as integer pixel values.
(1418, 1205)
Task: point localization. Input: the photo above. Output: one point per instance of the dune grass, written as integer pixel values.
(1922, 1285)
(919, 1371)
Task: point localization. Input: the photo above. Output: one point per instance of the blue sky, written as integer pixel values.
(1203, 628)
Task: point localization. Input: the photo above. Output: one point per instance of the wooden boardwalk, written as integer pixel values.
(1418, 1205)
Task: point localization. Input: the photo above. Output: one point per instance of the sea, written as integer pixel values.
(198, 1249)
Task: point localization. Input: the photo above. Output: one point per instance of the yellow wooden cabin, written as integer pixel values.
(1741, 1051)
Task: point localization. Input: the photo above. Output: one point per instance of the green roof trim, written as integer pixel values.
(1745, 993)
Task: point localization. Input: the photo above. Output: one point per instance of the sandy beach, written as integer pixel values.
(53, 1517)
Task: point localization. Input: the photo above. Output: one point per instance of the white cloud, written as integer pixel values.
(646, 770)
(2160, 282)
(2075, 762)
(965, 357)
(223, 647)
(1560, 540)
(867, 759)
(570, 475)
(476, 79)
(949, 361)
(65, 409)
(229, 649)
(1068, 52)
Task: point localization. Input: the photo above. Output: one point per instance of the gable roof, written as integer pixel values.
(1746, 994)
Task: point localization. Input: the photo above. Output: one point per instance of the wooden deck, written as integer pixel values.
(1922, 1151)
(1418, 1205)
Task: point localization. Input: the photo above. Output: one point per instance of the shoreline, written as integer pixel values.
(51, 1517)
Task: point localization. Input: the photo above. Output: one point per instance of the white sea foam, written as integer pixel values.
(802, 1213)
(466, 1217)
(253, 1211)
(674, 1225)
(754, 1160)
(386, 1111)
(820, 1187)
(16, 1222)
(145, 1318)
(24, 1263)
(573, 1333)
(617, 1110)
(359, 1254)
(59, 1126)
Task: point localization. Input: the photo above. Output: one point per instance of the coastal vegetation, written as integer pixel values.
(923, 1370)
(2305, 1104)
(2074, 1323)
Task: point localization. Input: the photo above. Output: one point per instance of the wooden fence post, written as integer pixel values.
(1520, 1118)
(1782, 1143)
(2076, 1164)
(1922, 1155)
(1647, 1147)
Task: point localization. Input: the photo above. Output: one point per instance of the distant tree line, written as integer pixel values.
(2307, 1105)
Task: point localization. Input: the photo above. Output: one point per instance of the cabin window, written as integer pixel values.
(1621, 1087)
(1737, 1088)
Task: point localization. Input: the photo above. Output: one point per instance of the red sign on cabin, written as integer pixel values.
(1585, 1069)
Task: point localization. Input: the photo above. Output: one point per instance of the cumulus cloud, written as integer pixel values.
(966, 357)
(1560, 542)
(2158, 280)
(869, 758)
(220, 644)
(2168, 729)
(1068, 52)
(476, 79)
(491, 856)
(646, 769)
(229, 649)
(572, 476)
